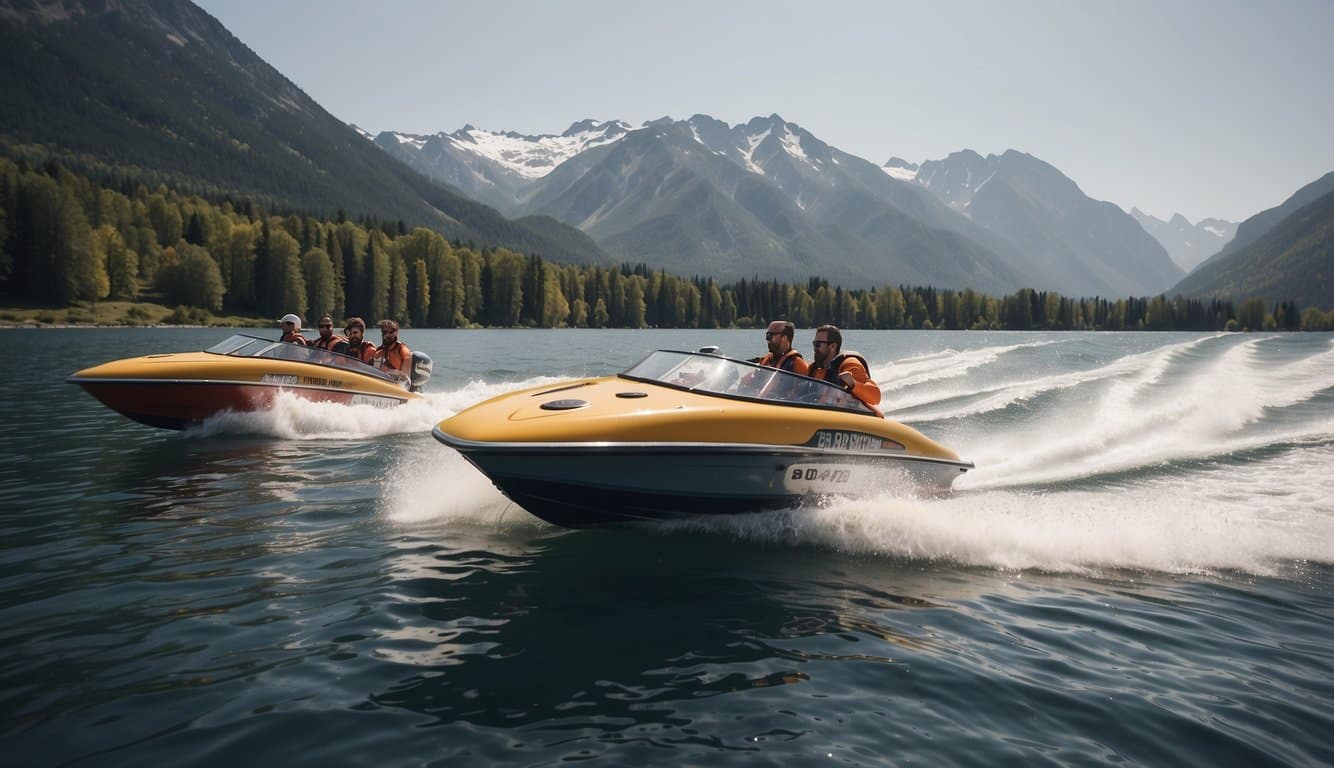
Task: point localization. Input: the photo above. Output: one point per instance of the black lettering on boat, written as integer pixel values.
(860, 442)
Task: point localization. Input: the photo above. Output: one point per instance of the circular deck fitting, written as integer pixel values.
(564, 405)
(631, 394)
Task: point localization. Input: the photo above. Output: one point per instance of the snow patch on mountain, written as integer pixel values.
(535, 156)
(409, 140)
(749, 151)
(792, 143)
(901, 169)
(531, 157)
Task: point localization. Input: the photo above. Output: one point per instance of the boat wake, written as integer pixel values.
(1204, 455)
(293, 418)
(1221, 520)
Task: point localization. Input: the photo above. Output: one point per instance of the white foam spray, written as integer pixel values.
(1246, 519)
(294, 418)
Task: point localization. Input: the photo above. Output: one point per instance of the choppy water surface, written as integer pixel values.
(1140, 570)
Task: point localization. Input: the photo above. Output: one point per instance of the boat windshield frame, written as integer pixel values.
(716, 375)
(245, 345)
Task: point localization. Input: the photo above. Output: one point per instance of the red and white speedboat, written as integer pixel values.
(243, 373)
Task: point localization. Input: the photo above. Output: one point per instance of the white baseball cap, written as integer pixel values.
(290, 318)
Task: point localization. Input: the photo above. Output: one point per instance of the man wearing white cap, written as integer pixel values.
(292, 330)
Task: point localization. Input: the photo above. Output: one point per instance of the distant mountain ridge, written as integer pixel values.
(1256, 226)
(700, 196)
(1291, 259)
(1077, 244)
(799, 199)
(1188, 244)
(163, 88)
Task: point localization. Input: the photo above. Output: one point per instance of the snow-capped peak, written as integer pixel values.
(529, 156)
(900, 169)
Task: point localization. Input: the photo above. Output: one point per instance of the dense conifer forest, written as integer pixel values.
(67, 237)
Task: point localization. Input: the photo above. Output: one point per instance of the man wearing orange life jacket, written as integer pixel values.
(846, 369)
(327, 338)
(354, 345)
(781, 354)
(393, 357)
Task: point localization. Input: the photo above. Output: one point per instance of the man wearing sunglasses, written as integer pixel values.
(327, 338)
(781, 354)
(845, 369)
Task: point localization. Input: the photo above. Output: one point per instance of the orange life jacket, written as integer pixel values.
(864, 391)
(320, 343)
(364, 351)
(396, 357)
(791, 361)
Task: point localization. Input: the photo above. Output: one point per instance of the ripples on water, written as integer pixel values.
(1139, 570)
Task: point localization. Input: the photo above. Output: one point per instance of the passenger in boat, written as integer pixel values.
(846, 369)
(327, 338)
(393, 356)
(292, 330)
(355, 345)
(781, 355)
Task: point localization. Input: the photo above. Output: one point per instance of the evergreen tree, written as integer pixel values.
(420, 301)
(318, 275)
(506, 299)
(636, 307)
(398, 289)
(286, 284)
(379, 275)
(473, 295)
(238, 264)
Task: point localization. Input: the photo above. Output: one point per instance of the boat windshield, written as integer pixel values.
(716, 375)
(241, 345)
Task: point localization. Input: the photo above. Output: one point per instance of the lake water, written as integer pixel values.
(1140, 570)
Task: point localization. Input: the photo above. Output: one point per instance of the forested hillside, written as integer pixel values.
(67, 238)
(161, 92)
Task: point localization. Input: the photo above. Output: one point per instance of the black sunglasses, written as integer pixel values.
(818, 343)
(323, 325)
(771, 334)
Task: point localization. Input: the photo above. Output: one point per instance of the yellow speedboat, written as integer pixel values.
(688, 433)
(243, 373)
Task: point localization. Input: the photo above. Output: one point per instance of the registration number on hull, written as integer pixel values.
(374, 401)
(821, 478)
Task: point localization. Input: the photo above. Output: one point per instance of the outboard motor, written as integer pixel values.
(421, 371)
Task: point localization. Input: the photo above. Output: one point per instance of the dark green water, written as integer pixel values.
(1140, 571)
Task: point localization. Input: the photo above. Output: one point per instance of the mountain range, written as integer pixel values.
(162, 91)
(768, 197)
(1188, 244)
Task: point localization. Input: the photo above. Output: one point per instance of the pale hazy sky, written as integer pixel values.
(1207, 108)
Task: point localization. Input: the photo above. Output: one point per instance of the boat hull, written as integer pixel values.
(580, 486)
(180, 404)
